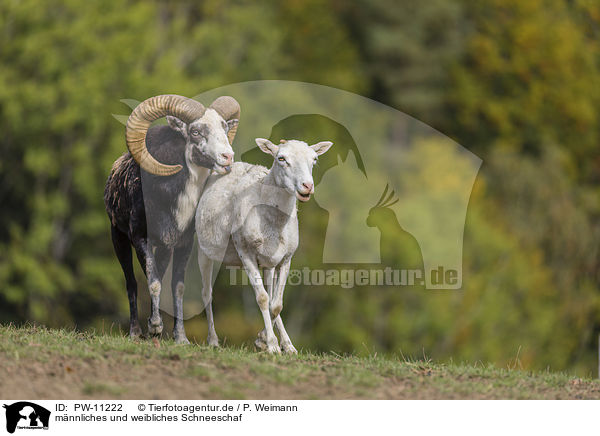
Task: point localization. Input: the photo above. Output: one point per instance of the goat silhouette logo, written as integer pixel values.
(26, 415)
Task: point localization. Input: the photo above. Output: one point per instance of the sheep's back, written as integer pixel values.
(218, 210)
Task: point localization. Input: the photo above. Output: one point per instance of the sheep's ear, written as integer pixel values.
(177, 125)
(267, 146)
(321, 147)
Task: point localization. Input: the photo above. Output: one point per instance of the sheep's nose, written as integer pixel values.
(228, 157)
(308, 186)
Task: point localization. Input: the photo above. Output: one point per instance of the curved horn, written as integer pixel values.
(186, 109)
(229, 109)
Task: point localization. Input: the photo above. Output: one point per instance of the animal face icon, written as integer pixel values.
(26, 414)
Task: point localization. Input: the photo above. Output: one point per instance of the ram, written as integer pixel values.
(153, 190)
(249, 218)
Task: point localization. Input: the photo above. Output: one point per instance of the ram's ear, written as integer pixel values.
(232, 123)
(177, 125)
(321, 147)
(267, 146)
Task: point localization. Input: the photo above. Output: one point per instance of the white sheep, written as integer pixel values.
(249, 218)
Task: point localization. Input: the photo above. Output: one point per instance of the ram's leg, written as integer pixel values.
(277, 306)
(181, 256)
(156, 264)
(270, 279)
(206, 270)
(262, 299)
(123, 250)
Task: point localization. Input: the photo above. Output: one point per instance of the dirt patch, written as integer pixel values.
(46, 364)
(175, 378)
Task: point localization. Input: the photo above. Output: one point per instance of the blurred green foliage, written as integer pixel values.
(515, 82)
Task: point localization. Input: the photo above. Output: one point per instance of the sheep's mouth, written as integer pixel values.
(302, 197)
(222, 169)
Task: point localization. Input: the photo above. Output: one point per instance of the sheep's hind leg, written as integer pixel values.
(262, 299)
(156, 264)
(206, 269)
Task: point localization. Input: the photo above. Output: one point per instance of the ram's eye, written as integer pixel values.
(195, 132)
(281, 159)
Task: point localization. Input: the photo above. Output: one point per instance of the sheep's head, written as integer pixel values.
(206, 140)
(208, 132)
(293, 165)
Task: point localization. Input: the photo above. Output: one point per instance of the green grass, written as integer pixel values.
(52, 364)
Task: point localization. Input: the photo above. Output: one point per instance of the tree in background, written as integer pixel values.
(407, 47)
(66, 65)
(517, 83)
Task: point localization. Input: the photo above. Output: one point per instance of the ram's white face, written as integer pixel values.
(293, 165)
(206, 140)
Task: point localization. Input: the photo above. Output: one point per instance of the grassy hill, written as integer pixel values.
(39, 363)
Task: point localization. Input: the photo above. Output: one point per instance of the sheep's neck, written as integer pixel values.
(187, 200)
(273, 195)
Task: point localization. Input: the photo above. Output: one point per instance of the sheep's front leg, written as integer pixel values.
(286, 342)
(270, 278)
(277, 306)
(275, 283)
(262, 299)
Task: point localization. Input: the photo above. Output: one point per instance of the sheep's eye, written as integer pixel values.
(281, 159)
(195, 132)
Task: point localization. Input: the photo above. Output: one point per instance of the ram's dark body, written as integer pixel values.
(124, 196)
(127, 202)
